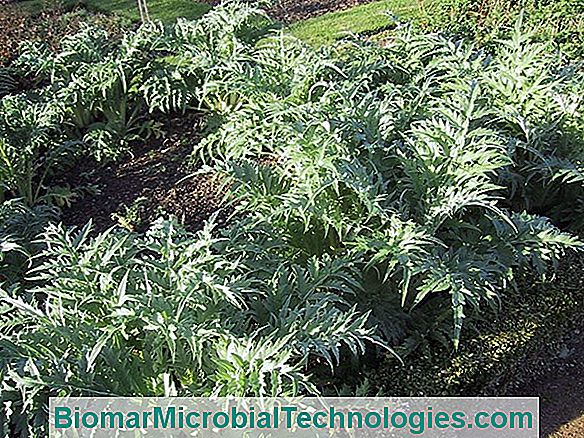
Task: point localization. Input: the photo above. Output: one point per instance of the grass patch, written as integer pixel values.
(325, 29)
(165, 10)
(364, 19)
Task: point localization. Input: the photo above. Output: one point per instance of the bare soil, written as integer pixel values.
(13, 30)
(556, 376)
(562, 398)
(155, 180)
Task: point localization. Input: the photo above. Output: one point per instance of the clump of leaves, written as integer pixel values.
(19, 227)
(407, 160)
(170, 314)
(31, 146)
(8, 81)
(97, 96)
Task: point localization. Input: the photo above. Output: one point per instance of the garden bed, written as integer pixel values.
(534, 348)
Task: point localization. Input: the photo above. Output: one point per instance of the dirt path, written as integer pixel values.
(556, 373)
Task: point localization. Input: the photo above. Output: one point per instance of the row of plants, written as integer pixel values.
(377, 199)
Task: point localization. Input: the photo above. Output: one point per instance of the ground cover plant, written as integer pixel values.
(375, 199)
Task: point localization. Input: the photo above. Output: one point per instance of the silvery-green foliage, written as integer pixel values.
(31, 145)
(8, 81)
(199, 52)
(20, 225)
(407, 160)
(171, 313)
(538, 107)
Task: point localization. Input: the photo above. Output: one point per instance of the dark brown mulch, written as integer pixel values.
(49, 26)
(13, 31)
(156, 181)
(289, 11)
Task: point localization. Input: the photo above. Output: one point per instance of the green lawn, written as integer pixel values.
(164, 10)
(368, 18)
